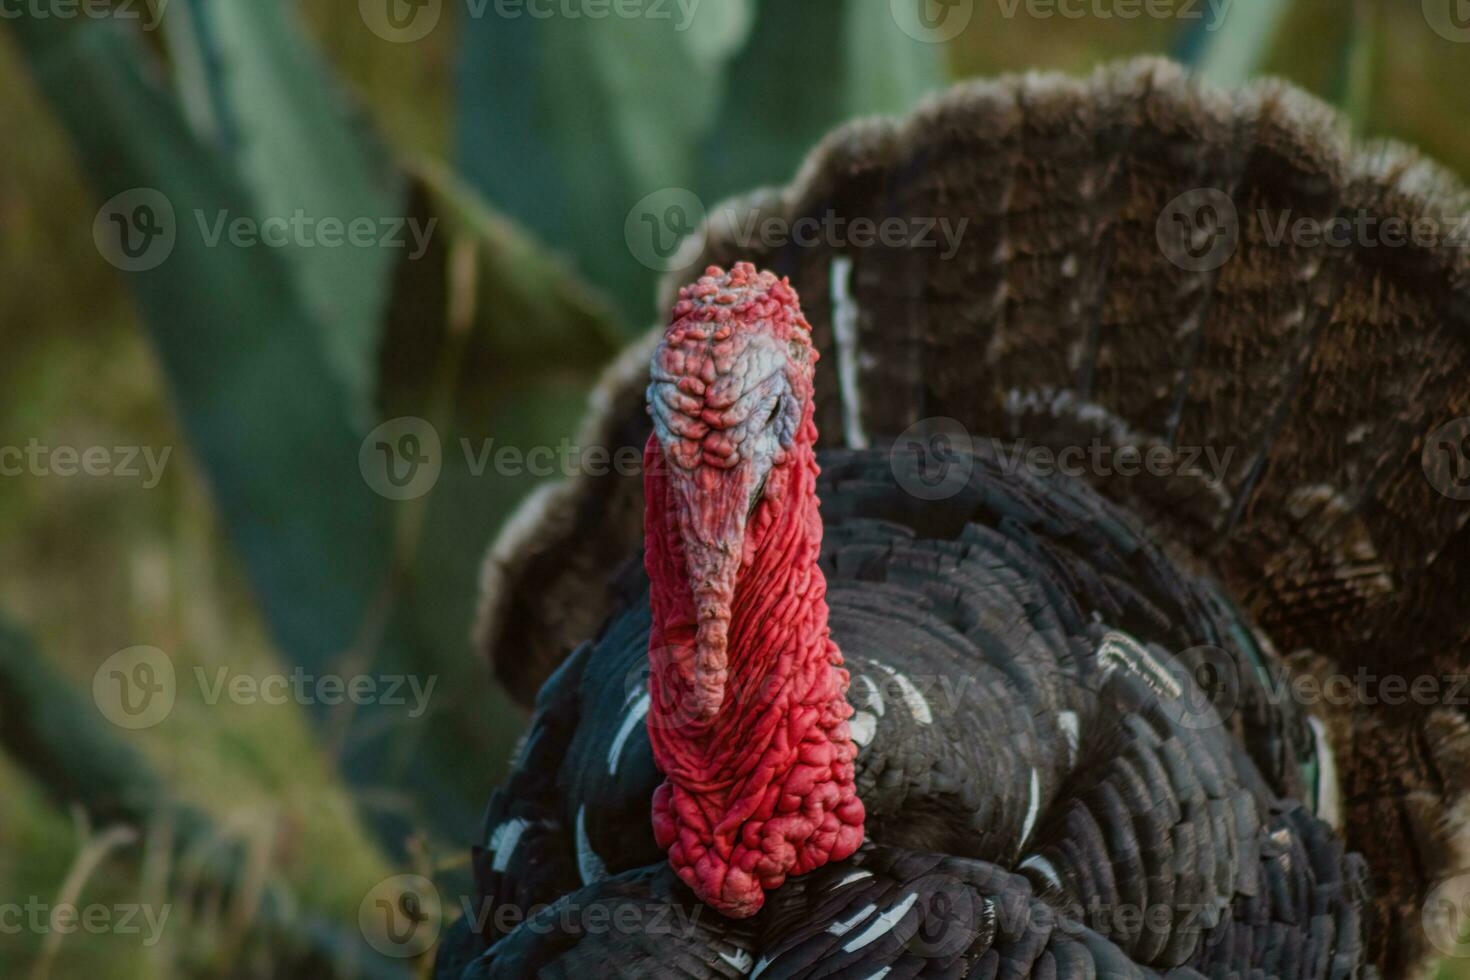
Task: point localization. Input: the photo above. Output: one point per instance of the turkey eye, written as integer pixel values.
(755, 498)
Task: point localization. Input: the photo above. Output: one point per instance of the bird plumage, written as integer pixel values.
(1069, 696)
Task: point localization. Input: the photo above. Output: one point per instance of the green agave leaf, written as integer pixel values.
(493, 345)
(1355, 65)
(257, 89)
(764, 132)
(1228, 51)
(731, 99)
(565, 122)
(269, 419)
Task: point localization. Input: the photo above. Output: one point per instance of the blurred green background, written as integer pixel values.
(268, 831)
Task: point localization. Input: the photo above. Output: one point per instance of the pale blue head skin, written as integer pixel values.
(725, 404)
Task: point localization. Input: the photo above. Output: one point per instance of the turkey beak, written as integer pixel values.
(715, 504)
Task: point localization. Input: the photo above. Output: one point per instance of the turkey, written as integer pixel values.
(859, 678)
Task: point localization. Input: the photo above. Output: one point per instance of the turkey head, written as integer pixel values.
(748, 718)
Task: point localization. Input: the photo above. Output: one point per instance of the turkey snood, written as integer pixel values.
(748, 718)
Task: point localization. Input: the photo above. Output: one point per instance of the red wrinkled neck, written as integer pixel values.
(778, 619)
(764, 788)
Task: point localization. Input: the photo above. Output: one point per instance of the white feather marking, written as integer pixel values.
(589, 865)
(740, 960)
(881, 973)
(843, 926)
(633, 717)
(844, 328)
(1329, 797)
(875, 696)
(503, 841)
(1032, 808)
(1118, 649)
(862, 727)
(882, 925)
(917, 704)
(855, 876)
(1067, 721)
(760, 967)
(1044, 868)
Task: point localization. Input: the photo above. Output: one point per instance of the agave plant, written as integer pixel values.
(285, 361)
